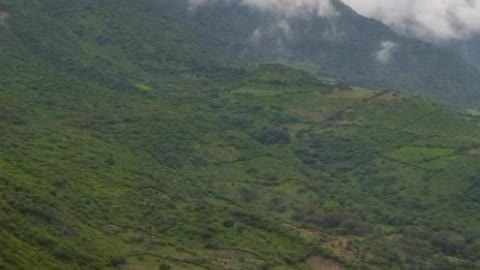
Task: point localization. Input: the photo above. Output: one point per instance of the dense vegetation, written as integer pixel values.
(469, 49)
(344, 46)
(128, 143)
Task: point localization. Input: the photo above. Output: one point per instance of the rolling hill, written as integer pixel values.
(132, 139)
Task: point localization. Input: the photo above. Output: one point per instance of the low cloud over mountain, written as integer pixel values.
(428, 19)
(285, 8)
(432, 20)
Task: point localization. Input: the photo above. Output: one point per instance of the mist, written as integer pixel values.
(432, 20)
(385, 52)
(285, 8)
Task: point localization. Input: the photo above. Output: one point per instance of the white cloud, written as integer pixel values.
(434, 20)
(385, 52)
(284, 26)
(257, 36)
(277, 32)
(286, 8)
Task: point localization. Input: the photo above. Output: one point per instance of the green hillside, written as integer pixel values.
(112, 41)
(128, 143)
(345, 46)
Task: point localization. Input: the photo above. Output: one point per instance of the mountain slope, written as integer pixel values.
(468, 49)
(346, 46)
(155, 36)
(123, 147)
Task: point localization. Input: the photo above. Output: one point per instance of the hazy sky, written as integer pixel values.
(427, 19)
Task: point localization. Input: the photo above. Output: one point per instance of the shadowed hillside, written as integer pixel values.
(352, 48)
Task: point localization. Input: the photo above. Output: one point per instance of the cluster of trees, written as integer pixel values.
(333, 153)
(272, 135)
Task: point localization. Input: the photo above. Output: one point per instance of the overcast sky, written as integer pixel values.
(427, 19)
(430, 19)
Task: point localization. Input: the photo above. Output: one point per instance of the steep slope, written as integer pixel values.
(132, 144)
(114, 43)
(348, 46)
(160, 37)
(469, 49)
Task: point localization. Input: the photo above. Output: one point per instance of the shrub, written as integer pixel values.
(110, 161)
(273, 135)
(264, 266)
(164, 266)
(117, 261)
(241, 121)
(228, 223)
(59, 182)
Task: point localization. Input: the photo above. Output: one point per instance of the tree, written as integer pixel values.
(273, 135)
(164, 266)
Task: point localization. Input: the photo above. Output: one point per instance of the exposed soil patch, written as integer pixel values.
(319, 263)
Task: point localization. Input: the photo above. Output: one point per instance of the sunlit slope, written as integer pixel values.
(214, 176)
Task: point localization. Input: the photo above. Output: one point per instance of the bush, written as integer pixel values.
(354, 227)
(117, 261)
(273, 135)
(241, 121)
(264, 266)
(164, 266)
(449, 243)
(59, 182)
(228, 223)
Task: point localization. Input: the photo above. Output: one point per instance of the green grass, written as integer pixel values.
(419, 154)
(113, 158)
